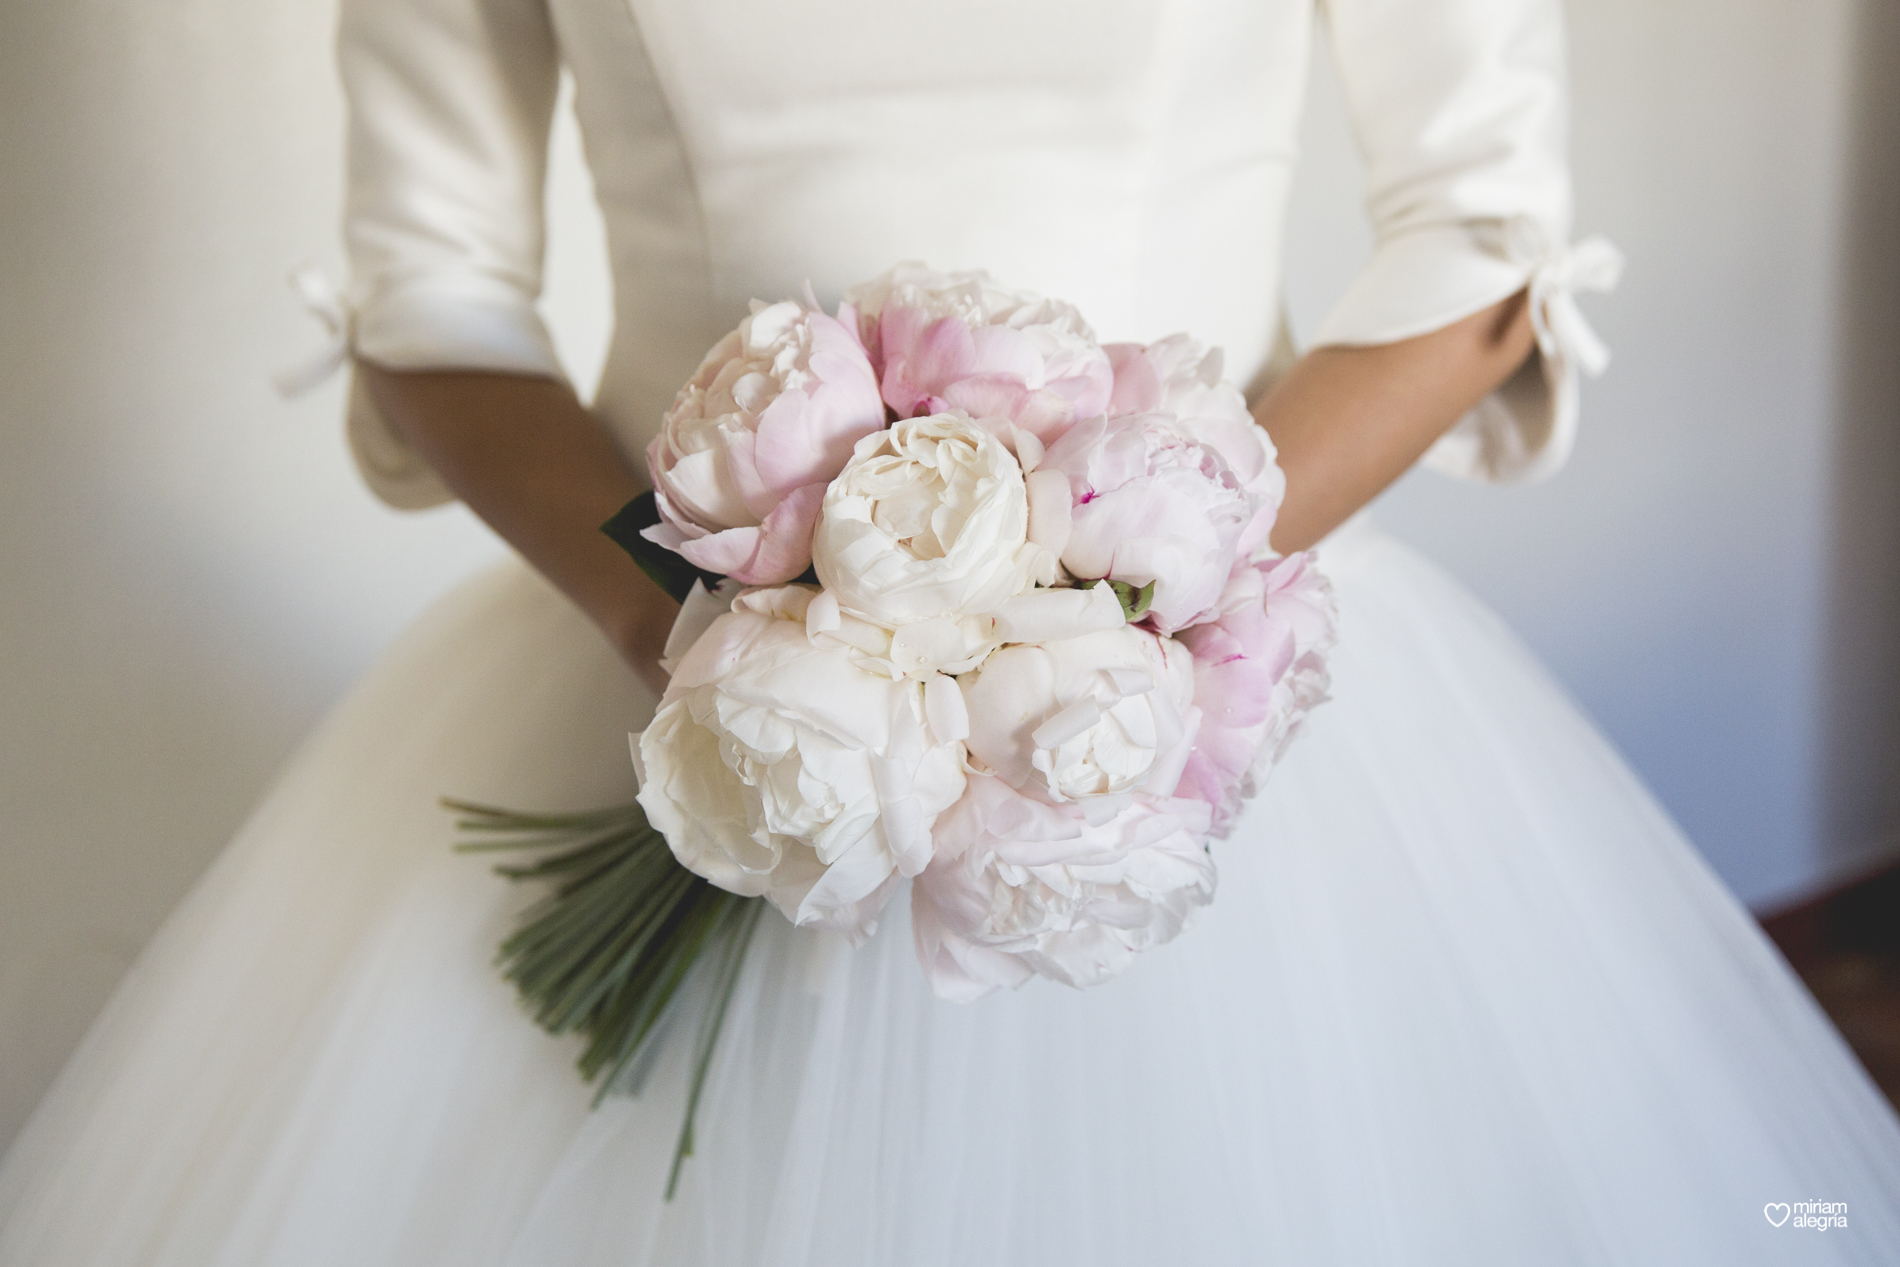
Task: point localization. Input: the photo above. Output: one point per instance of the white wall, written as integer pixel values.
(191, 573)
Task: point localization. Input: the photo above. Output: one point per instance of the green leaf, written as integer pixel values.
(1135, 602)
(669, 571)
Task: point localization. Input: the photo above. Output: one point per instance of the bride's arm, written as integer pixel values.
(524, 454)
(459, 392)
(1459, 110)
(1349, 420)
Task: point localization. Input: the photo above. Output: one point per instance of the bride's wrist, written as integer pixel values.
(636, 617)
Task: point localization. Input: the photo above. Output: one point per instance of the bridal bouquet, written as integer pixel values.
(971, 600)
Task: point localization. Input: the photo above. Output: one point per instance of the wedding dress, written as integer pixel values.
(1465, 997)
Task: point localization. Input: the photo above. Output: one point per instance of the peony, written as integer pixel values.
(959, 341)
(1180, 376)
(1300, 597)
(1259, 668)
(961, 700)
(1153, 505)
(777, 766)
(1239, 656)
(930, 649)
(743, 456)
(1093, 719)
(925, 532)
(1020, 887)
(698, 610)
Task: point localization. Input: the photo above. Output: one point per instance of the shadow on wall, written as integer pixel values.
(1860, 779)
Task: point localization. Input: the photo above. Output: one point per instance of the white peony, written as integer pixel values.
(1020, 887)
(776, 765)
(925, 532)
(1092, 719)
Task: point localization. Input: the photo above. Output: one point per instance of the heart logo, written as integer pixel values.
(1773, 1208)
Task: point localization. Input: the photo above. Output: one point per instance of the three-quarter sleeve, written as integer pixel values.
(1460, 108)
(450, 103)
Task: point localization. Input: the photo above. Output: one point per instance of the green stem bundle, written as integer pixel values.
(606, 952)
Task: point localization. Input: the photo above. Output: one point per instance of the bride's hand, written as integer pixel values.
(540, 470)
(639, 635)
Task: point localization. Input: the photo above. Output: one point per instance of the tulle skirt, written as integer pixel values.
(1465, 997)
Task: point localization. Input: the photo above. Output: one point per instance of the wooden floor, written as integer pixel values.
(1846, 946)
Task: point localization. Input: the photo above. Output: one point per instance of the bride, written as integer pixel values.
(1467, 997)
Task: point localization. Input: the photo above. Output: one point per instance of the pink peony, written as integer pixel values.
(1020, 888)
(958, 341)
(1299, 595)
(1179, 376)
(743, 457)
(1152, 504)
(1259, 667)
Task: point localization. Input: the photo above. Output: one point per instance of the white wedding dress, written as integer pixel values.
(1466, 997)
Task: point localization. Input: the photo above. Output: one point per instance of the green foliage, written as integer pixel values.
(1135, 602)
(606, 953)
(668, 570)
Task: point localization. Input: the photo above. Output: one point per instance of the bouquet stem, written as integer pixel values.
(606, 952)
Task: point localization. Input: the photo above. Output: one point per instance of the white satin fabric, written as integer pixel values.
(1131, 156)
(1465, 996)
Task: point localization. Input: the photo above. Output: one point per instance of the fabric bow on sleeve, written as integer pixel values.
(1557, 274)
(326, 303)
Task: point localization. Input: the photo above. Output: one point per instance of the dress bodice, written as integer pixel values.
(1130, 156)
